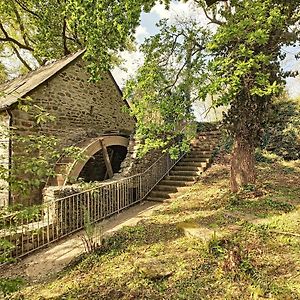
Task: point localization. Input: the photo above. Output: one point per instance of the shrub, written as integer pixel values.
(282, 134)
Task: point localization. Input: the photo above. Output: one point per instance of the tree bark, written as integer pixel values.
(242, 164)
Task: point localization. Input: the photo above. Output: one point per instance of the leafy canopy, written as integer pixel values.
(246, 50)
(163, 91)
(34, 31)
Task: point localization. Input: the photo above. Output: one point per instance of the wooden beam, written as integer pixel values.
(106, 159)
(110, 159)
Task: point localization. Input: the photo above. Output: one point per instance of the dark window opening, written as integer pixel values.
(95, 169)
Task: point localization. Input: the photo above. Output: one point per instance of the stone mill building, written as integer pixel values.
(88, 115)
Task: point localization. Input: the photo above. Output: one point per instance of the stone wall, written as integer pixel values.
(133, 164)
(82, 109)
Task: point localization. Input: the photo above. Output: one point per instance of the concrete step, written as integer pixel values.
(187, 170)
(181, 178)
(206, 139)
(191, 165)
(162, 194)
(212, 132)
(203, 147)
(199, 152)
(207, 144)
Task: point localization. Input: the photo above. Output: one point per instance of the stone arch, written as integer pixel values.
(67, 170)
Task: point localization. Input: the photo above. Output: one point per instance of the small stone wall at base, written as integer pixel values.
(133, 165)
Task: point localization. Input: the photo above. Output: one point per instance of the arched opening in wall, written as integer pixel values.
(95, 168)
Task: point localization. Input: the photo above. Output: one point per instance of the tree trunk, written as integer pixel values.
(242, 164)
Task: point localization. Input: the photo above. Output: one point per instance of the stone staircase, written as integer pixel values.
(187, 171)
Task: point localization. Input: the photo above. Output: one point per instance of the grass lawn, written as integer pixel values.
(206, 244)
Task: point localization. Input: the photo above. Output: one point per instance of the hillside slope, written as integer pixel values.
(206, 244)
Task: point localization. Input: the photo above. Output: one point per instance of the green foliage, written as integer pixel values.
(3, 74)
(282, 134)
(92, 237)
(34, 154)
(10, 285)
(36, 31)
(6, 247)
(162, 92)
(244, 70)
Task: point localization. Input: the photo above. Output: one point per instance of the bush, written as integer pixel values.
(10, 285)
(282, 134)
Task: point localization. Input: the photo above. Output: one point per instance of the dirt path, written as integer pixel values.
(47, 262)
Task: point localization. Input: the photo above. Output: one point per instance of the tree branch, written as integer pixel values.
(23, 6)
(21, 25)
(212, 19)
(166, 59)
(23, 61)
(64, 38)
(179, 72)
(9, 39)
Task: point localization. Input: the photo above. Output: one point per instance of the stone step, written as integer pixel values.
(176, 183)
(212, 132)
(191, 165)
(166, 188)
(198, 154)
(206, 140)
(204, 144)
(157, 199)
(207, 135)
(181, 178)
(195, 159)
(203, 147)
(162, 194)
(186, 173)
(187, 168)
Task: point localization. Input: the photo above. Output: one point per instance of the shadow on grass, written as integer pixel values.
(219, 219)
(232, 264)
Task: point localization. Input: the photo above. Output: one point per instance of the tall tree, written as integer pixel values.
(163, 90)
(245, 71)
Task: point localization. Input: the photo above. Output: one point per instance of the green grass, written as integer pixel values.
(207, 244)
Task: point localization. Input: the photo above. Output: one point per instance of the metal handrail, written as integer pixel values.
(66, 215)
(125, 178)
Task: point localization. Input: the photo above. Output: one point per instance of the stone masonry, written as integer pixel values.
(81, 109)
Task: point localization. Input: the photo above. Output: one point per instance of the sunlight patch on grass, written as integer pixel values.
(226, 254)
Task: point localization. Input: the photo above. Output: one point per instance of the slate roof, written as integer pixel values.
(16, 88)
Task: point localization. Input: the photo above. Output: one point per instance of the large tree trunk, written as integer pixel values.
(242, 164)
